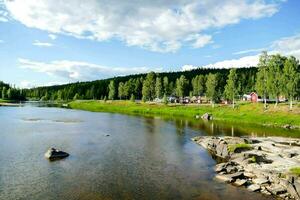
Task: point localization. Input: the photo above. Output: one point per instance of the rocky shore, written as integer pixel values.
(269, 165)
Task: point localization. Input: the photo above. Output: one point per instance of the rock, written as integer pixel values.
(249, 175)
(260, 181)
(254, 187)
(276, 189)
(224, 178)
(107, 135)
(207, 116)
(53, 154)
(293, 187)
(240, 182)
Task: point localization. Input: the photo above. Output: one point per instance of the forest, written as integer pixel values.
(275, 76)
(11, 93)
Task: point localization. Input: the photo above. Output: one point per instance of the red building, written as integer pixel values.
(254, 97)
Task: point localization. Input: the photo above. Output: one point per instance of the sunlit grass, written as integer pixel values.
(244, 113)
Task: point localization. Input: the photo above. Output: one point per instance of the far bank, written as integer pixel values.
(250, 113)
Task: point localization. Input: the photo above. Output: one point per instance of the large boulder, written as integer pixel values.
(54, 154)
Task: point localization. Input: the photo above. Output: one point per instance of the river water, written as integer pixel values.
(142, 158)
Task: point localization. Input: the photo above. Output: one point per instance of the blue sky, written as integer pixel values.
(55, 41)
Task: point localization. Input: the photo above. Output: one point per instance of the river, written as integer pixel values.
(112, 156)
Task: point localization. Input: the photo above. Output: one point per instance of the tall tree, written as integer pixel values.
(148, 90)
(4, 93)
(231, 89)
(111, 90)
(181, 86)
(158, 88)
(121, 92)
(291, 77)
(262, 76)
(166, 85)
(211, 85)
(274, 81)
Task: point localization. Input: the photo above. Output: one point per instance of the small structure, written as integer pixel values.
(254, 97)
(173, 99)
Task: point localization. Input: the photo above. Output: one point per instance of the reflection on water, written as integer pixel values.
(143, 158)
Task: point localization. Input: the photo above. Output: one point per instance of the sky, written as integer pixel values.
(51, 42)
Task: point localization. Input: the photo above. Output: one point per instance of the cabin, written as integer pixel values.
(254, 97)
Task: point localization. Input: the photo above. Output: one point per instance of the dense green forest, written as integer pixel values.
(150, 85)
(11, 93)
(276, 75)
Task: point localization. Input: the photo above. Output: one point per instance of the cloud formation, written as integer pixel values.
(286, 46)
(42, 44)
(161, 26)
(80, 71)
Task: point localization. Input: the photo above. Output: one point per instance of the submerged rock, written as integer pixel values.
(54, 154)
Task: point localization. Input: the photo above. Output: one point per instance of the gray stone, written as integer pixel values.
(254, 187)
(249, 175)
(276, 189)
(240, 182)
(53, 154)
(260, 181)
(224, 178)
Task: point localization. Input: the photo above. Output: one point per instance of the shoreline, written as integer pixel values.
(249, 114)
(269, 165)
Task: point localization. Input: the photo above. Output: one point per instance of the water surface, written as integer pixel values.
(142, 158)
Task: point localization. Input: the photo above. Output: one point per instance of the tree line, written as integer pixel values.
(275, 75)
(11, 93)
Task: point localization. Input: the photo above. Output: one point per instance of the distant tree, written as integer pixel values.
(121, 91)
(166, 85)
(231, 88)
(4, 91)
(158, 88)
(132, 98)
(111, 90)
(76, 96)
(275, 77)
(262, 76)
(148, 90)
(211, 85)
(291, 77)
(9, 93)
(165, 100)
(105, 99)
(181, 86)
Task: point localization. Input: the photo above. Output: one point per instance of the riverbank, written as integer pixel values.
(245, 113)
(270, 165)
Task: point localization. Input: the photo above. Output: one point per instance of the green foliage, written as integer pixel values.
(112, 90)
(295, 171)
(165, 99)
(211, 85)
(76, 96)
(231, 89)
(158, 88)
(132, 98)
(149, 87)
(235, 147)
(181, 86)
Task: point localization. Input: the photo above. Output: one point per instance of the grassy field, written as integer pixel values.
(244, 113)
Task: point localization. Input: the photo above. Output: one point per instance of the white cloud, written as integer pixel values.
(286, 46)
(163, 26)
(42, 44)
(52, 36)
(188, 67)
(249, 51)
(80, 71)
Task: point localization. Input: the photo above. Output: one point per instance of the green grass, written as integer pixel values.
(295, 171)
(245, 113)
(242, 146)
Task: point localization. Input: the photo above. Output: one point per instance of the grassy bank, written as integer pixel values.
(244, 113)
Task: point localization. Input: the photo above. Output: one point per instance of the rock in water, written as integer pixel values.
(54, 154)
(207, 116)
